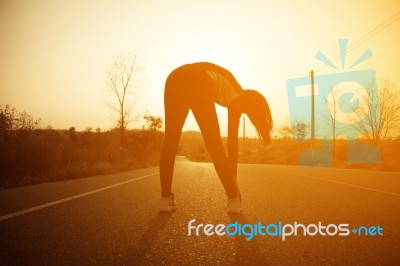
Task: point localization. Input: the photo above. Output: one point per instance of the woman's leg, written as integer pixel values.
(206, 116)
(176, 111)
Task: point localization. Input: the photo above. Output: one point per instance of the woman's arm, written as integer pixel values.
(233, 127)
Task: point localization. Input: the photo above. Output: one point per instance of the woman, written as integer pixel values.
(198, 87)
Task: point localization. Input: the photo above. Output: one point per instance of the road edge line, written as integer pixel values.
(350, 185)
(53, 203)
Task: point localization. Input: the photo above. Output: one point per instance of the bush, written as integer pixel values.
(30, 155)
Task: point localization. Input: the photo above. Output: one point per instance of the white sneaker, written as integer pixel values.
(167, 204)
(235, 205)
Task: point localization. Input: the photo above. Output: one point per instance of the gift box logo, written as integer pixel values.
(342, 101)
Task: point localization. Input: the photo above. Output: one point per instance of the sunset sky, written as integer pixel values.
(54, 54)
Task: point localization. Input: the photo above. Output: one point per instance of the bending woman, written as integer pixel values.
(198, 87)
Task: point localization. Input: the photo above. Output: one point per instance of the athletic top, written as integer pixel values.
(225, 88)
(224, 92)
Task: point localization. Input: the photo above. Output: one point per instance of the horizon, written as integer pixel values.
(55, 54)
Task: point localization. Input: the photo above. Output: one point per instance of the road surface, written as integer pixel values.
(113, 219)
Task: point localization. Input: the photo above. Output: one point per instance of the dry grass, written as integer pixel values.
(288, 151)
(35, 156)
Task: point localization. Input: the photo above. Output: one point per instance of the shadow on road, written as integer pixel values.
(246, 252)
(142, 248)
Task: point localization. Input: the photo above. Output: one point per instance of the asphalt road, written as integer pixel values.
(114, 220)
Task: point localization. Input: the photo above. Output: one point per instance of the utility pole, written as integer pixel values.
(244, 134)
(312, 110)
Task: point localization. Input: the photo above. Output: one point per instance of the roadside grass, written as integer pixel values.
(288, 151)
(37, 156)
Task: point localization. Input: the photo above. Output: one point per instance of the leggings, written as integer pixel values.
(187, 89)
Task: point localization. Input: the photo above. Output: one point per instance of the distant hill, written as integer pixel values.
(192, 145)
(191, 135)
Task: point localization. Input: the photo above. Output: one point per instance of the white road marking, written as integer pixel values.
(46, 205)
(350, 185)
(343, 169)
(363, 170)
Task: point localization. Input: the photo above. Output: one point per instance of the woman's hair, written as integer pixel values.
(257, 109)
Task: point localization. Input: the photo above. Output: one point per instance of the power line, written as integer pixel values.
(360, 41)
(352, 47)
(369, 35)
(357, 43)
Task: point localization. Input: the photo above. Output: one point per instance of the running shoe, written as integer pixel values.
(235, 205)
(167, 204)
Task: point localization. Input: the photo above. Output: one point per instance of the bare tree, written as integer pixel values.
(379, 113)
(154, 123)
(299, 130)
(332, 102)
(120, 85)
(285, 131)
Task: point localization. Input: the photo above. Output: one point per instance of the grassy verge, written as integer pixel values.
(36, 156)
(288, 152)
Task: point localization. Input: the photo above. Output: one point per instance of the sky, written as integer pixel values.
(54, 54)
